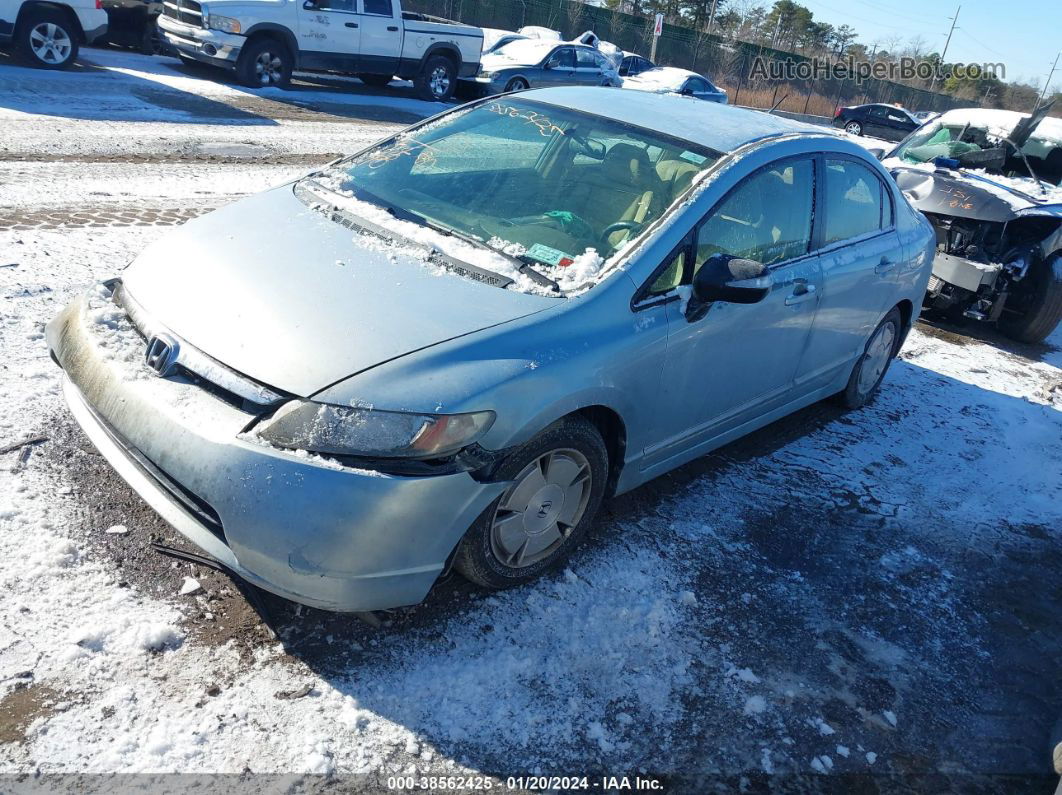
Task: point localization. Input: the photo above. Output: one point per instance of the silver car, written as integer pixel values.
(539, 63)
(450, 348)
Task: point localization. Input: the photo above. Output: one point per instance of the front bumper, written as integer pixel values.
(308, 530)
(964, 273)
(209, 46)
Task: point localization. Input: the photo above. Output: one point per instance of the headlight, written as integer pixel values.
(224, 24)
(340, 430)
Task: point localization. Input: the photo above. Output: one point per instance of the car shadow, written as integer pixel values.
(830, 577)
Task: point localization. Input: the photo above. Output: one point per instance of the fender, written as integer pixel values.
(61, 8)
(283, 32)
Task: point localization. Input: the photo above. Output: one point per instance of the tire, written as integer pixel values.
(47, 39)
(437, 80)
(853, 128)
(1043, 303)
(870, 370)
(151, 40)
(376, 81)
(264, 62)
(516, 84)
(536, 509)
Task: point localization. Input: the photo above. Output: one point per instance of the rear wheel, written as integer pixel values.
(516, 84)
(878, 354)
(854, 127)
(437, 80)
(46, 39)
(557, 485)
(1038, 301)
(263, 63)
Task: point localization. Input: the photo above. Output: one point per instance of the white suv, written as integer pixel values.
(49, 34)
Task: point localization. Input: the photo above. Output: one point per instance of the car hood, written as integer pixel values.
(960, 193)
(283, 294)
(496, 63)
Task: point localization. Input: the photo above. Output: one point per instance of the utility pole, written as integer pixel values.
(954, 19)
(711, 16)
(1048, 83)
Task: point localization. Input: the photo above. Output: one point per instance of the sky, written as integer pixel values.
(1024, 36)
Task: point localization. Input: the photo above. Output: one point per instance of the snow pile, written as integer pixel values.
(661, 79)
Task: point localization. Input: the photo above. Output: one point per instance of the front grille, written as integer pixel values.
(187, 11)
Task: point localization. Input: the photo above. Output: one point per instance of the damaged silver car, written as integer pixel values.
(988, 180)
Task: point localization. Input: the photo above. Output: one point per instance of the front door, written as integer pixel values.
(561, 68)
(329, 35)
(739, 361)
(381, 37)
(860, 257)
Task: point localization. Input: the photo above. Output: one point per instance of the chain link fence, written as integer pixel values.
(726, 62)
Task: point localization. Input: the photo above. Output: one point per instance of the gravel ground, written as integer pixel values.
(856, 601)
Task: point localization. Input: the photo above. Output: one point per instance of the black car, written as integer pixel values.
(634, 64)
(877, 121)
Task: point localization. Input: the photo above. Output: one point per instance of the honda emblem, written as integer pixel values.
(161, 356)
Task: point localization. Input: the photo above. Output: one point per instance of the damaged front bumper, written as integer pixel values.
(306, 529)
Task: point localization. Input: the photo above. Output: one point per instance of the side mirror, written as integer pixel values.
(687, 92)
(552, 63)
(310, 5)
(724, 277)
(877, 151)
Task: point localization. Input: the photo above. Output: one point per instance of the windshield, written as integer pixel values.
(974, 146)
(560, 190)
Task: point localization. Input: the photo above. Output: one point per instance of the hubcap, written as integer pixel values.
(538, 511)
(268, 67)
(853, 128)
(876, 359)
(50, 43)
(439, 81)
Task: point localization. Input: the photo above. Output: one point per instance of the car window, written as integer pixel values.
(672, 275)
(766, 218)
(563, 57)
(337, 5)
(696, 85)
(381, 7)
(585, 58)
(853, 200)
(877, 110)
(600, 61)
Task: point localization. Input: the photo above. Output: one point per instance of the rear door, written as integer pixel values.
(859, 252)
(897, 124)
(381, 37)
(329, 35)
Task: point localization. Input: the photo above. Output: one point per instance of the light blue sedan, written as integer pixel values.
(449, 349)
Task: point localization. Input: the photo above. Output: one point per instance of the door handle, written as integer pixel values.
(392, 28)
(884, 266)
(351, 24)
(802, 291)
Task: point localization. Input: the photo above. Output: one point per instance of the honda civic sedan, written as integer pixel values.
(540, 63)
(448, 349)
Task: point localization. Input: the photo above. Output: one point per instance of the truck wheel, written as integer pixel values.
(1039, 303)
(557, 485)
(870, 370)
(264, 62)
(376, 81)
(437, 80)
(151, 41)
(46, 39)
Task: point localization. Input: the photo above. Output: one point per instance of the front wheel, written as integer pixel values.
(557, 485)
(46, 39)
(870, 370)
(263, 63)
(437, 80)
(854, 128)
(1038, 301)
(516, 84)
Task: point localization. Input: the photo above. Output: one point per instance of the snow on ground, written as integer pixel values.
(882, 582)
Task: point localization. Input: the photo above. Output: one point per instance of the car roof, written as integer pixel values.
(720, 127)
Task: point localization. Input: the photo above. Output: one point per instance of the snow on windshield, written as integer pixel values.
(514, 185)
(664, 78)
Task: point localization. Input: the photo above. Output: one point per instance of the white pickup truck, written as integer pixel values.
(264, 40)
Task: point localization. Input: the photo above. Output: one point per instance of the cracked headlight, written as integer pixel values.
(370, 433)
(224, 24)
